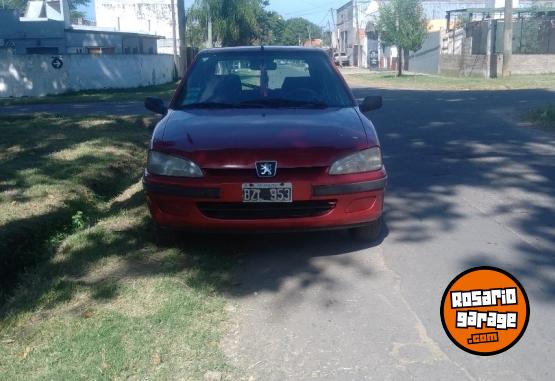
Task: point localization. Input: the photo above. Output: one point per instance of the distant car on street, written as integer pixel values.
(341, 59)
(279, 145)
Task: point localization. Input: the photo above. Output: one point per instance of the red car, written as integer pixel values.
(265, 138)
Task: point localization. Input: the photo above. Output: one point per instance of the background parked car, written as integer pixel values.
(341, 59)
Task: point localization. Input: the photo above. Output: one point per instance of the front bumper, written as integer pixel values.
(216, 203)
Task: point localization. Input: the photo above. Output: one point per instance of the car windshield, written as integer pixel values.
(263, 79)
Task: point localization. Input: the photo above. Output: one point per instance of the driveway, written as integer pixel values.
(468, 187)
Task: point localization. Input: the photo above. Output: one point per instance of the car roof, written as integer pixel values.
(263, 48)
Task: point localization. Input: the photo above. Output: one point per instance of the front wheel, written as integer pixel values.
(369, 232)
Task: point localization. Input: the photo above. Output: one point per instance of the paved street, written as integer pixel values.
(76, 109)
(467, 187)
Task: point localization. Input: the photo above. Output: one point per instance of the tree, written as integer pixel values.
(20, 5)
(299, 28)
(270, 27)
(73, 4)
(234, 22)
(244, 22)
(401, 23)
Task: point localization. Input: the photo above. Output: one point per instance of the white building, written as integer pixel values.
(46, 29)
(500, 3)
(147, 16)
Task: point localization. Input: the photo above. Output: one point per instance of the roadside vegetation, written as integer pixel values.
(85, 291)
(440, 82)
(544, 116)
(105, 95)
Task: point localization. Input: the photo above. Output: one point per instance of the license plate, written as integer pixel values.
(266, 192)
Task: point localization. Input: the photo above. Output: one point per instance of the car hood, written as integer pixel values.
(232, 138)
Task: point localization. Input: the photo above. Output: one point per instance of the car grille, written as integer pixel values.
(251, 172)
(261, 211)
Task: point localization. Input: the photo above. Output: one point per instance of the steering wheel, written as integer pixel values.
(303, 93)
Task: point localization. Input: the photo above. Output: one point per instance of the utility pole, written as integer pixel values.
(508, 38)
(309, 35)
(331, 34)
(182, 23)
(174, 38)
(209, 37)
(399, 53)
(335, 31)
(357, 37)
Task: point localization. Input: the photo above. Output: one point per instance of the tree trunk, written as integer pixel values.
(406, 59)
(399, 61)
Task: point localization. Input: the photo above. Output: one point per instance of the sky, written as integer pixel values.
(317, 11)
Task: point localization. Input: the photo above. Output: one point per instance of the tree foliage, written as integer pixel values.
(244, 22)
(402, 23)
(270, 27)
(234, 22)
(299, 28)
(18, 5)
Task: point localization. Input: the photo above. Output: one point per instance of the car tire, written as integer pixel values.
(369, 232)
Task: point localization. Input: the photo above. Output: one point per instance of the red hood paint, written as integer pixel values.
(236, 138)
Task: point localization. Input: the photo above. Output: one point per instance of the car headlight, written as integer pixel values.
(363, 161)
(166, 165)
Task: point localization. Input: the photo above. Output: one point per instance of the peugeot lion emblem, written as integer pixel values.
(266, 168)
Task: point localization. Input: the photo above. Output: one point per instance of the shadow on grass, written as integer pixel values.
(164, 91)
(53, 167)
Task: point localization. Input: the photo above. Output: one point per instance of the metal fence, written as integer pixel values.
(530, 36)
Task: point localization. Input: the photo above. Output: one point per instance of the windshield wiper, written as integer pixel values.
(208, 105)
(281, 102)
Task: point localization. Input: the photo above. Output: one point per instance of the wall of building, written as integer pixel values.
(146, 16)
(34, 75)
(345, 29)
(23, 35)
(477, 65)
(81, 39)
(426, 60)
(39, 36)
(530, 64)
(463, 65)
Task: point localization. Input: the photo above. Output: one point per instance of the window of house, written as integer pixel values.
(42, 50)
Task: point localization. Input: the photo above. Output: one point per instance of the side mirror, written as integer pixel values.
(156, 105)
(371, 103)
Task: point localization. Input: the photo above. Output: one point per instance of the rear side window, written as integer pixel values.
(229, 78)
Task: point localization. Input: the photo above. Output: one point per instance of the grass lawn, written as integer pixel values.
(114, 95)
(87, 294)
(440, 82)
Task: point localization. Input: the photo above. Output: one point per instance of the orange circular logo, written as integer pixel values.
(485, 311)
